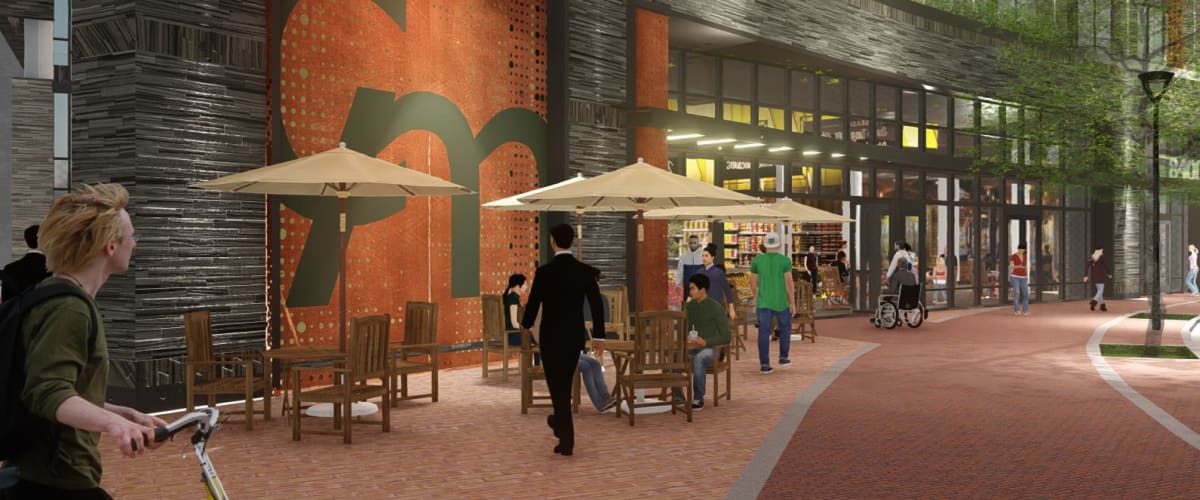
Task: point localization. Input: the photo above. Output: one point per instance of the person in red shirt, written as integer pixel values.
(1018, 277)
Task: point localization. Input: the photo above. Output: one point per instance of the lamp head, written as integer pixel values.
(1155, 84)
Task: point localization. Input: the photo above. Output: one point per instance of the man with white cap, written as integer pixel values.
(773, 289)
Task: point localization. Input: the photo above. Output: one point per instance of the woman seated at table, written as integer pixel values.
(512, 320)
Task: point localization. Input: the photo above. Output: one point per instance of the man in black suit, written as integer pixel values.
(561, 287)
(26, 271)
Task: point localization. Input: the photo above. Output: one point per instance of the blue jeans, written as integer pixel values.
(593, 381)
(1020, 288)
(784, 318)
(1190, 281)
(1099, 293)
(702, 358)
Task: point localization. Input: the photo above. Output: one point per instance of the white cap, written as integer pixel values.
(772, 240)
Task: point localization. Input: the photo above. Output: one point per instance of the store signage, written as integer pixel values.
(737, 165)
(1181, 168)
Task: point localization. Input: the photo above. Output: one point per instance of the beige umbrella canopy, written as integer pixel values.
(513, 203)
(799, 212)
(639, 187)
(340, 172)
(729, 213)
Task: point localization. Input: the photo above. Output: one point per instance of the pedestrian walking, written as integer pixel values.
(1099, 274)
(773, 289)
(1190, 280)
(1018, 277)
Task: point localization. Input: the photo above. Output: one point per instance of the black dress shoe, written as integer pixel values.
(561, 450)
(1092, 303)
(1103, 307)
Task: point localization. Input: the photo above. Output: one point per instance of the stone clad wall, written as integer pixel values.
(32, 155)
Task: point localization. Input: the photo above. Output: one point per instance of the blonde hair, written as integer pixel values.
(80, 224)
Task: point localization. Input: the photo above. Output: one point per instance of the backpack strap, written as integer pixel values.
(35, 296)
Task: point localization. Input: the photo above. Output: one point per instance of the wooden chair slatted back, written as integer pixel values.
(660, 340)
(493, 318)
(367, 355)
(197, 327)
(804, 298)
(420, 323)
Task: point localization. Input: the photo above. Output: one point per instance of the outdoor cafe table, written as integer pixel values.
(286, 357)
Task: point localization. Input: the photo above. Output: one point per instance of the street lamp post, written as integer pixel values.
(1155, 84)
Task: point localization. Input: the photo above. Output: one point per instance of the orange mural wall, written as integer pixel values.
(484, 57)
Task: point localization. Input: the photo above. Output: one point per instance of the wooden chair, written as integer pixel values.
(721, 364)
(418, 352)
(531, 372)
(738, 341)
(618, 312)
(215, 374)
(747, 315)
(495, 336)
(659, 360)
(804, 322)
(367, 358)
(835, 291)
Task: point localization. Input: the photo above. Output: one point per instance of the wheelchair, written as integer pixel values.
(905, 306)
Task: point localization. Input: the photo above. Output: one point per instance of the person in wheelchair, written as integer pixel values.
(900, 272)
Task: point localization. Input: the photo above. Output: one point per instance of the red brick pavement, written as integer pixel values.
(985, 405)
(993, 405)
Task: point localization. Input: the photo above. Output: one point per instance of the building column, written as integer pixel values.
(650, 144)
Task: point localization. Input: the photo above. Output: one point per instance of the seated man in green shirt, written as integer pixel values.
(706, 317)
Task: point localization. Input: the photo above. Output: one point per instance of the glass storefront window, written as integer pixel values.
(937, 108)
(833, 94)
(736, 78)
(803, 122)
(701, 74)
(673, 102)
(674, 64)
(1012, 121)
(989, 148)
(803, 90)
(989, 117)
(964, 114)
(858, 183)
(738, 112)
(701, 106)
(989, 191)
(771, 118)
(886, 134)
(62, 174)
(885, 102)
(937, 140)
(1052, 195)
(911, 185)
(965, 272)
(937, 188)
(1012, 193)
(772, 85)
(885, 183)
(860, 98)
(831, 127)
(965, 188)
(735, 175)
(802, 179)
(831, 181)
(910, 106)
(702, 169)
(965, 146)
(911, 137)
(1048, 256)
(769, 175)
(991, 254)
(860, 130)
(1030, 193)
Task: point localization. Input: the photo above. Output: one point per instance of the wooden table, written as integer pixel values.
(285, 357)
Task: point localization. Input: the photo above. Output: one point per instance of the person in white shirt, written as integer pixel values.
(900, 272)
(691, 261)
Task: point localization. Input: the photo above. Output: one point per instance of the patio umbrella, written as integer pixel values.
(639, 187)
(804, 214)
(514, 203)
(340, 172)
(730, 213)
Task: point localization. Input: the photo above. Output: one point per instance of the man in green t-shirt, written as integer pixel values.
(708, 319)
(773, 289)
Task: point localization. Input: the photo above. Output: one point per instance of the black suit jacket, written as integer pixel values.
(23, 273)
(561, 288)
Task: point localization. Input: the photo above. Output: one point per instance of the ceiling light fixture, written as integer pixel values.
(714, 141)
(929, 87)
(777, 149)
(811, 153)
(862, 158)
(677, 137)
(748, 145)
(837, 155)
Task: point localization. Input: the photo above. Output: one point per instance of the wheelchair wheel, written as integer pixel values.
(888, 315)
(915, 317)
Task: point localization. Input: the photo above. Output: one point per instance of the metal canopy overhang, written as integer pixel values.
(711, 127)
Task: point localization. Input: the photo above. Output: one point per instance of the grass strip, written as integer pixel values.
(1139, 351)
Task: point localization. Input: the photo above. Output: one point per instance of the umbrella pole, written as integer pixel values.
(342, 195)
(640, 259)
(579, 232)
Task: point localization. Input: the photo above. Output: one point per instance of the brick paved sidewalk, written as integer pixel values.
(474, 443)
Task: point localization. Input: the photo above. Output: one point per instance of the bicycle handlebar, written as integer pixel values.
(205, 419)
